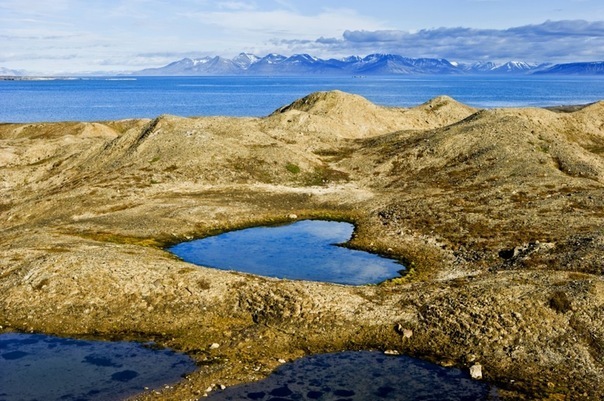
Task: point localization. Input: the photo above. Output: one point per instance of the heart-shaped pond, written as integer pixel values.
(305, 250)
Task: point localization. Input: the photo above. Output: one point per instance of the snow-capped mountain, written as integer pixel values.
(592, 68)
(373, 64)
(478, 67)
(10, 73)
(245, 60)
(514, 66)
(511, 67)
(202, 66)
(276, 64)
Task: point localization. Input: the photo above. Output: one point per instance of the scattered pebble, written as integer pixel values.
(215, 346)
(281, 361)
(391, 352)
(476, 371)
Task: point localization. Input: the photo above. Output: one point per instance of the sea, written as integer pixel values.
(115, 98)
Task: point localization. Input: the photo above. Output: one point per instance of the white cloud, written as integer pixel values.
(285, 23)
(121, 33)
(237, 5)
(552, 41)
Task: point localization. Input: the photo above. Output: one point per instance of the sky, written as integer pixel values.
(78, 36)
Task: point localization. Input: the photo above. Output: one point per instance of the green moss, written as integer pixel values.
(292, 168)
(124, 240)
(324, 175)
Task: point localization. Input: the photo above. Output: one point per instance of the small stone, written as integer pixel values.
(391, 352)
(281, 360)
(293, 216)
(209, 389)
(406, 333)
(222, 386)
(476, 371)
(215, 346)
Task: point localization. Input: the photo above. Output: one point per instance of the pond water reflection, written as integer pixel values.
(40, 367)
(305, 250)
(361, 376)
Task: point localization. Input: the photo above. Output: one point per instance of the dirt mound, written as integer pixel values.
(344, 115)
(333, 103)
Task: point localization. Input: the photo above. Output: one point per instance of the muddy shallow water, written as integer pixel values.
(305, 250)
(39, 367)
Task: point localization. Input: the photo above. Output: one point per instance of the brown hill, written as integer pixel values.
(344, 115)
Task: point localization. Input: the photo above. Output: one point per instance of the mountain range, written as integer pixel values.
(373, 64)
(8, 72)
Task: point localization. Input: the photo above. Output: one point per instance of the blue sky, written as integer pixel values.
(65, 36)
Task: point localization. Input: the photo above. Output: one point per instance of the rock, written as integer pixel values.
(293, 216)
(215, 346)
(391, 352)
(406, 333)
(476, 371)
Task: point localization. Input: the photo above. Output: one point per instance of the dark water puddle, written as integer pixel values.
(361, 376)
(40, 367)
(305, 250)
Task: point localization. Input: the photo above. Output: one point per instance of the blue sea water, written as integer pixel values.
(103, 98)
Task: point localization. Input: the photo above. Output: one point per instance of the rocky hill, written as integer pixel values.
(497, 215)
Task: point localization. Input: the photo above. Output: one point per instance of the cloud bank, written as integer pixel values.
(551, 41)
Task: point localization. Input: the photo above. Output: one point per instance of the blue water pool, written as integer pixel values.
(40, 367)
(305, 250)
(361, 376)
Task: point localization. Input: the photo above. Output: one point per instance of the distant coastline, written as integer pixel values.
(36, 78)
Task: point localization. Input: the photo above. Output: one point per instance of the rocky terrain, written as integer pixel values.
(497, 214)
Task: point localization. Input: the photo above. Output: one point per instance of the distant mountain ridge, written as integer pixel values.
(373, 64)
(592, 68)
(7, 72)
